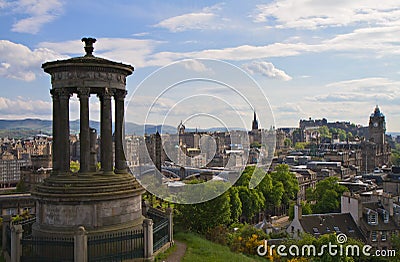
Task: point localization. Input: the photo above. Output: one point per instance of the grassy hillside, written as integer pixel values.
(202, 250)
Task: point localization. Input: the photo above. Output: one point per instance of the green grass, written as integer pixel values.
(163, 256)
(202, 250)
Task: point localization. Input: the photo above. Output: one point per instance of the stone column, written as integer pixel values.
(93, 152)
(16, 249)
(148, 238)
(119, 135)
(63, 131)
(168, 212)
(84, 137)
(106, 145)
(6, 222)
(55, 153)
(80, 245)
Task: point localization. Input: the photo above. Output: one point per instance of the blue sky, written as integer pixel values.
(312, 58)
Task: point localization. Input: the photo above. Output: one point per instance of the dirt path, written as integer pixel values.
(178, 254)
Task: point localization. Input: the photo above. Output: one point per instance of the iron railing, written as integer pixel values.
(160, 234)
(116, 246)
(47, 249)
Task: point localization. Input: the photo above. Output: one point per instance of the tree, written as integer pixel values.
(324, 132)
(204, 216)
(245, 177)
(287, 142)
(253, 201)
(235, 204)
(300, 145)
(289, 181)
(327, 194)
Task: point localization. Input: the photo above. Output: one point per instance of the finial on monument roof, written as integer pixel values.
(89, 45)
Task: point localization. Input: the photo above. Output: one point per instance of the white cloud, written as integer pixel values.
(267, 69)
(19, 62)
(22, 107)
(37, 12)
(308, 14)
(370, 84)
(373, 90)
(195, 65)
(128, 50)
(192, 21)
(141, 34)
(205, 20)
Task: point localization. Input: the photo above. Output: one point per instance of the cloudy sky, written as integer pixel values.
(312, 58)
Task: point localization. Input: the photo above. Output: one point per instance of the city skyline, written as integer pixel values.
(335, 60)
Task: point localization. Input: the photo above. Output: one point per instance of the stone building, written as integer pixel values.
(377, 214)
(10, 169)
(376, 150)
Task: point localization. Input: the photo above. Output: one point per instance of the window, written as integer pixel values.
(374, 236)
(384, 236)
(372, 218)
(386, 217)
(337, 230)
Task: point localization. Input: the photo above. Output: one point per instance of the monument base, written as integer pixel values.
(101, 203)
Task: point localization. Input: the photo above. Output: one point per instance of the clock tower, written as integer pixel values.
(377, 129)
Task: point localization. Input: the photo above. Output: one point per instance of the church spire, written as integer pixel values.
(254, 125)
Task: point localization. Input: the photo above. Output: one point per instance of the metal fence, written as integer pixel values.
(47, 249)
(160, 228)
(160, 234)
(116, 246)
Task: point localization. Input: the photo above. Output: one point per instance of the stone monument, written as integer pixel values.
(102, 201)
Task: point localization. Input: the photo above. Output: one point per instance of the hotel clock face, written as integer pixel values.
(375, 124)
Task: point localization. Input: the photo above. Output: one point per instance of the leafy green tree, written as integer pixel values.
(324, 132)
(253, 201)
(274, 197)
(235, 204)
(204, 216)
(395, 240)
(300, 145)
(245, 177)
(395, 157)
(287, 142)
(289, 181)
(255, 145)
(327, 194)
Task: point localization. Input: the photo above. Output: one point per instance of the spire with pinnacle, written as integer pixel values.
(254, 126)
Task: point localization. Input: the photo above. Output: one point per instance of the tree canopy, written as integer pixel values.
(327, 194)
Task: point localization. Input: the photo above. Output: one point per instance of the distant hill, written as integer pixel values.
(31, 127)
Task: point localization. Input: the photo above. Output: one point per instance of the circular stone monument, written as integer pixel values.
(102, 201)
